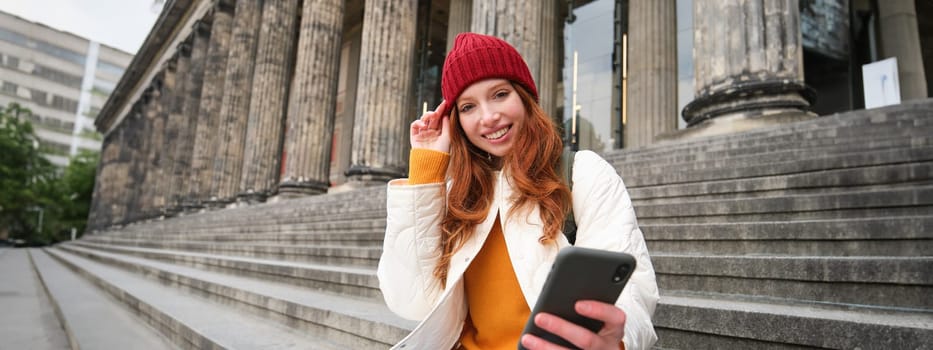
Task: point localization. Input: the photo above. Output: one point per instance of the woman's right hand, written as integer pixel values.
(432, 130)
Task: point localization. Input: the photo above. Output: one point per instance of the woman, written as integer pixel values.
(468, 256)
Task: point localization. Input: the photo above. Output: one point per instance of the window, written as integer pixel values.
(39, 97)
(57, 76)
(11, 61)
(110, 68)
(44, 47)
(590, 118)
(65, 104)
(9, 88)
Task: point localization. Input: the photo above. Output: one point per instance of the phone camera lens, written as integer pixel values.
(616, 278)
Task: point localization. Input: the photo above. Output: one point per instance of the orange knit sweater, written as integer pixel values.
(497, 308)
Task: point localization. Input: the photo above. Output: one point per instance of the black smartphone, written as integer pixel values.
(580, 274)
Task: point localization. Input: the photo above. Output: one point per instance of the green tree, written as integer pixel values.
(24, 173)
(39, 203)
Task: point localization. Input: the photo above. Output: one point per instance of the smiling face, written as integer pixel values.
(491, 114)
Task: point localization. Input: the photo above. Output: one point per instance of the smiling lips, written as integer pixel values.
(498, 134)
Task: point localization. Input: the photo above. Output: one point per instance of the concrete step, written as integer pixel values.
(360, 238)
(171, 227)
(28, 319)
(890, 137)
(912, 201)
(91, 319)
(678, 175)
(900, 137)
(319, 254)
(350, 281)
(352, 323)
(190, 321)
(885, 236)
(883, 282)
(684, 320)
(863, 123)
(217, 220)
(822, 182)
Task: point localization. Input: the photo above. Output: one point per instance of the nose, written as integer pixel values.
(490, 117)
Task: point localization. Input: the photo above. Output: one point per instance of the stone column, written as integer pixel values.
(268, 100)
(164, 156)
(186, 133)
(205, 142)
(174, 130)
(310, 118)
(104, 196)
(516, 21)
(130, 160)
(97, 215)
(652, 71)
(459, 20)
(550, 55)
(748, 66)
(234, 109)
(383, 112)
(153, 133)
(138, 161)
(900, 38)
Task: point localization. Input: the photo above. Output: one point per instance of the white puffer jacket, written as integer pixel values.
(605, 220)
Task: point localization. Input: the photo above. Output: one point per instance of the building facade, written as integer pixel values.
(62, 78)
(235, 102)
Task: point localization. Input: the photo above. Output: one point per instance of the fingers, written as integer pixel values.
(613, 318)
(571, 332)
(441, 106)
(608, 337)
(532, 342)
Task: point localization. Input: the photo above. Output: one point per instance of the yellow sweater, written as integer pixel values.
(497, 308)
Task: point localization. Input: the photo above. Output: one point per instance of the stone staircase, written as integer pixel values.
(817, 234)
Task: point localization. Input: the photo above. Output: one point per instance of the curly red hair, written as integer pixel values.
(534, 172)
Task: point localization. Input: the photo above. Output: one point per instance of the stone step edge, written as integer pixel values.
(356, 281)
(866, 177)
(266, 262)
(851, 119)
(649, 177)
(802, 203)
(793, 229)
(345, 255)
(792, 148)
(846, 329)
(76, 299)
(59, 315)
(175, 331)
(135, 240)
(260, 301)
(912, 137)
(800, 268)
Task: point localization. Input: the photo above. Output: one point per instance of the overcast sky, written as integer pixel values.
(122, 24)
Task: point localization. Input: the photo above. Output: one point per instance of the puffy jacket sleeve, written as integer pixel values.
(606, 220)
(410, 249)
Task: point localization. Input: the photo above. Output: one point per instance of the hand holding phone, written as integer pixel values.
(580, 274)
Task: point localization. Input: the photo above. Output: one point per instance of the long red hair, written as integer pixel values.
(533, 168)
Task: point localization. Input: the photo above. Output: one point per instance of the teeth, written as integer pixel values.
(497, 134)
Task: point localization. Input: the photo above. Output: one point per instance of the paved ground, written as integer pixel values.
(27, 320)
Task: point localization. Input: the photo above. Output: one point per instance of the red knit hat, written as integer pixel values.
(476, 57)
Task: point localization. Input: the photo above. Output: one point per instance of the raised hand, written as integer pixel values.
(432, 130)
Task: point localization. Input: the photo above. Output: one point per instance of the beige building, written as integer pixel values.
(62, 78)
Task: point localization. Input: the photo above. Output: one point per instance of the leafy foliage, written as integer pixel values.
(39, 203)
